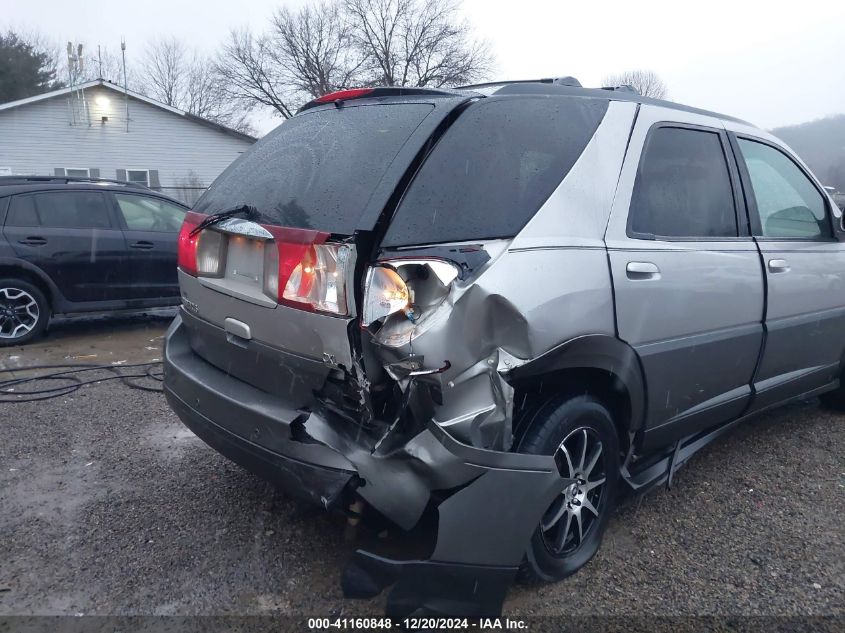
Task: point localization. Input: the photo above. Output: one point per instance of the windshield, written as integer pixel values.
(319, 169)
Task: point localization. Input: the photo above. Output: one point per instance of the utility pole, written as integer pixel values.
(125, 88)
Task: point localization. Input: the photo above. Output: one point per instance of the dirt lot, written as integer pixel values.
(110, 506)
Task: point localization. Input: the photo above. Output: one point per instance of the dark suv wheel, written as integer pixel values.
(24, 312)
(581, 435)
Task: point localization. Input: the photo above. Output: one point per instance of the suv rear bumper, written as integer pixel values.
(249, 427)
(488, 503)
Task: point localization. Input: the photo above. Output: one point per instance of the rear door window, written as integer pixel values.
(683, 187)
(22, 212)
(788, 204)
(143, 213)
(318, 169)
(494, 168)
(61, 209)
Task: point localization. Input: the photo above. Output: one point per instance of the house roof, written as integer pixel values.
(135, 95)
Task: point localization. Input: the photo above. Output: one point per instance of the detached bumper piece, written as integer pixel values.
(423, 588)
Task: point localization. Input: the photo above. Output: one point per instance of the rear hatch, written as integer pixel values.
(269, 293)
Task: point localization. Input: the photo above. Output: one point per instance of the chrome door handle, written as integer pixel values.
(778, 266)
(642, 270)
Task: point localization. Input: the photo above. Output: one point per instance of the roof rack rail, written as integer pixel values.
(622, 88)
(64, 180)
(557, 81)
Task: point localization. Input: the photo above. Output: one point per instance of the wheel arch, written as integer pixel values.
(599, 364)
(24, 270)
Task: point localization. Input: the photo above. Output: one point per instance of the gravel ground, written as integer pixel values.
(109, 506)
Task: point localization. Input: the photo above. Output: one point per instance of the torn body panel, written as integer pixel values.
(491, 324)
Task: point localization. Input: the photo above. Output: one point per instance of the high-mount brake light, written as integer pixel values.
(342, 95)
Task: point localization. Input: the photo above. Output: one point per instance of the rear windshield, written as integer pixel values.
(319, 169)
(494, 168)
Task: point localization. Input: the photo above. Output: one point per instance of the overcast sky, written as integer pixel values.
(771, 63)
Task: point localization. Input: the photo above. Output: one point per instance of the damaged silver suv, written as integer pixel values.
(500, 308)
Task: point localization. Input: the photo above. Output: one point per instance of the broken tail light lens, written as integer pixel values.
(385, 292)
(200, 254)
(308, 276)
(411, 286)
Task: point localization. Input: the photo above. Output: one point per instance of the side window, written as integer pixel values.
(142, 213)
(72, 210)
(788, 203)
(22, 212)
(494, 168)
(683, 187)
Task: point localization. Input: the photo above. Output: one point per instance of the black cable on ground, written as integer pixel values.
(9, 388)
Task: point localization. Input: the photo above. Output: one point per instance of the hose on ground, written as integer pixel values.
(69, 374)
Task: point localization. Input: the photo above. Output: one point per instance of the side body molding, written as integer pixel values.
(594, 351)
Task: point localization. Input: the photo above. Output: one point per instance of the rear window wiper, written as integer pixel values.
(215, 218)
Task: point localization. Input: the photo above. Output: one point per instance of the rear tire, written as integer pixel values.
(24, 312)
(580, 433)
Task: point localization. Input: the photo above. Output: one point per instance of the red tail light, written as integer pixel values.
(187, 247)
(304, 272)
(300, 269)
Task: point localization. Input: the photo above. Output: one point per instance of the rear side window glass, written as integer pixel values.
(22, 212)
(494, 168)
(788, 204)
(142, 213)
(683, 187)
(72, 209)
(318, 169)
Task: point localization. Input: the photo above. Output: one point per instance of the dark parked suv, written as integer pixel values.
(75, 245)
(499, 308)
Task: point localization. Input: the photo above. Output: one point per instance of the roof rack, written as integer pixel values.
(572, 87)
(64, 180)
(557, 81)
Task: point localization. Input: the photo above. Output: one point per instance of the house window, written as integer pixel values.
(5, 171)
(77, 172)
(138, 176)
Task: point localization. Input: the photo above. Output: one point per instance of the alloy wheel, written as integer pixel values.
(571, 516)
(19, 313)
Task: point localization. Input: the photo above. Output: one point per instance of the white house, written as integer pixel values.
(97, 130)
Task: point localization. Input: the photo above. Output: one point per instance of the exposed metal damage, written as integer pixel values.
(425, 420)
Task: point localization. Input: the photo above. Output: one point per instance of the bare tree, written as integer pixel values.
(189, 81)
(164, 66)
(646, 82)
(417, 42)
(335, 44)
(251, 74)
(315, 49)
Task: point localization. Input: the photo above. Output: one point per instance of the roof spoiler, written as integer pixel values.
(339, 97)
